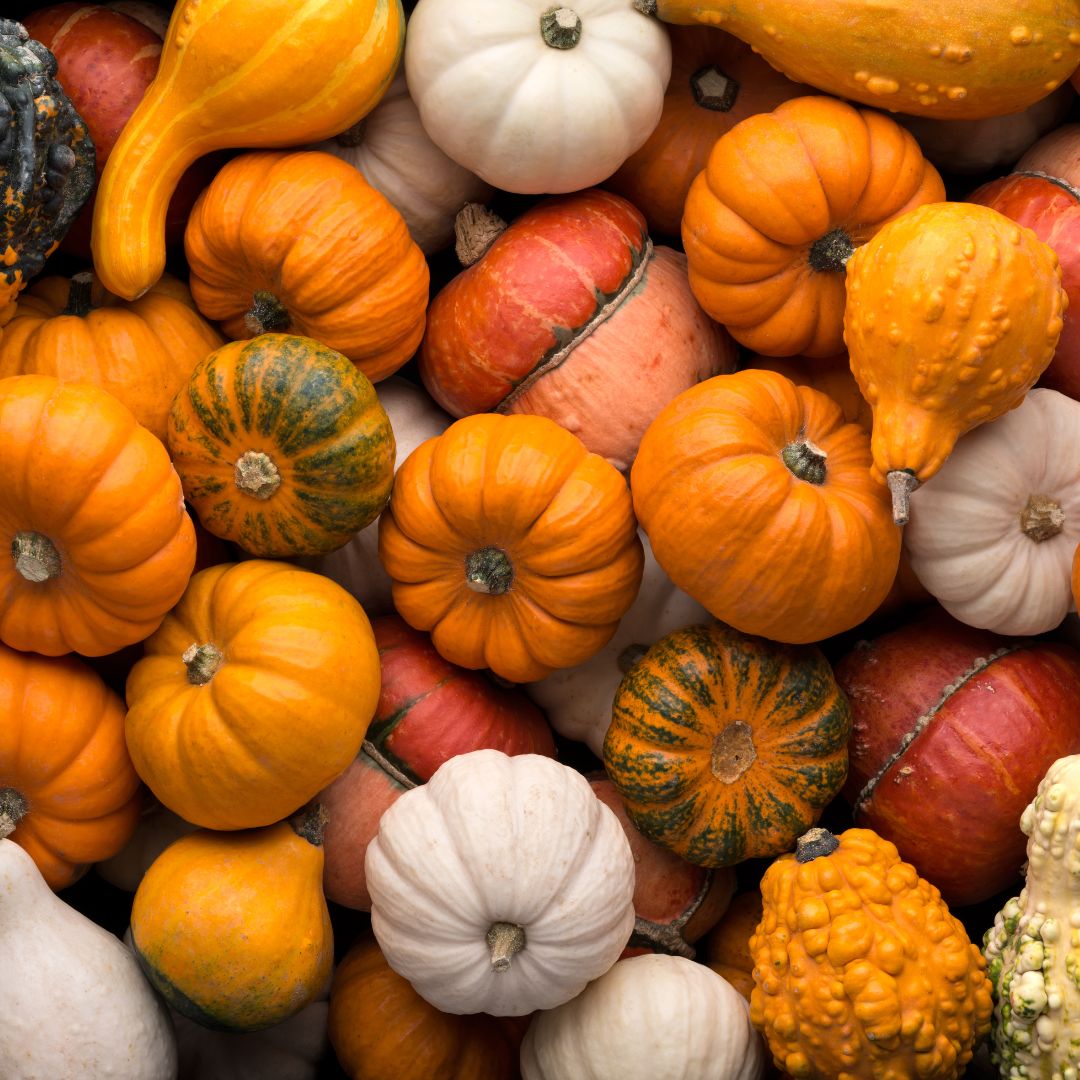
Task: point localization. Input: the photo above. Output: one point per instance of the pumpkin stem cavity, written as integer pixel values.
(504, 939)
(489, 571)
(806, 461)
(560, 28)
(310, 823)
(814, 844)
(13, 808)
(202, 662)
(1042, 518)
(902, 482)
(267, 315)
(713, 90)
(256, 474)
(733, 752)
(476, 228)
(79, 289)
(36, 559)
(830, 253)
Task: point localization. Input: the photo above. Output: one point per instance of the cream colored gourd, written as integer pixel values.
(502, 885)
(397, 157)
(75, 1006)
(533, 97)
(414, 418)
(578, 700)
(649, 1017)
(992, 534)
(158, 827)
(1032, 950)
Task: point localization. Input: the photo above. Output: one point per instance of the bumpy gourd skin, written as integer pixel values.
(861, 972)
(1033, 948)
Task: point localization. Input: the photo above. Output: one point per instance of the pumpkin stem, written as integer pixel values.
(713, 90)
(79, 290)
(560, 28)
(476, 229)
(202, 662)
(489, 571)
(902, 482)
(630, 656)
(268, 315)
(830, 253)
(504, 939)
(13, 808)
(733, 752)
(805, 460)
(35, 556)
(310, 823)
(646, 7)
(1041, 518)
(353, 136)
(257, 474)
(815, 843)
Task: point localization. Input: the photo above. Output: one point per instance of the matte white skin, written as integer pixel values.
(651, 1017)
(414, 418)
(76, 1005)
(527, 117)
(964, 536)
(491, 838)
(398, 158)
(578, 700)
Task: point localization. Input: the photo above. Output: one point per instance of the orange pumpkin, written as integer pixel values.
(301, 242)
(382, 1029)
(512, 544)
(784, 200)
(141, 352)
(726, 949)
(716, 82)
(829, 374)
(69, 794)
(93, 512)
(758, 502)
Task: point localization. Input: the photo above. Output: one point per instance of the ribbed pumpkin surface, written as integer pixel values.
(726, 747)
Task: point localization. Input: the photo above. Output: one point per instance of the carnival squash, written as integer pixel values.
(92, 510)
(512, 544)
(953, 312)
(282, 446)
(253, 695)
(758, 502)
(300, 242)
(726, 747)
(783, 201)
(234, 75)
(142, 352)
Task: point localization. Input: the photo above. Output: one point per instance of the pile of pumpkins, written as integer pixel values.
(536, 547)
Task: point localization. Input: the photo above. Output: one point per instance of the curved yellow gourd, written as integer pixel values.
(958, 60)
(236, 73)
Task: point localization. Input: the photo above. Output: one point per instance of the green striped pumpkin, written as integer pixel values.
(282, 446)
(726, 747)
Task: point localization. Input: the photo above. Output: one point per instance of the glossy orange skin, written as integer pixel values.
(233, 928)
(829, 374)
(81, 471)
(382, 1029)
(734, 528)
(62, 749)
(657, 177)
(141, 352)
(774, 186)
(562, 516)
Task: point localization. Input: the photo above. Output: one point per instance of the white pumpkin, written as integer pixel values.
(76, 1005)
(578, 700)
(535, 98)
(502, 885)
(650, 1017)
(992, 534)
(414, 418)
(397, 157)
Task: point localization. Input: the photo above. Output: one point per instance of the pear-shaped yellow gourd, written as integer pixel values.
(959, 59)
(232, 928)
(236, 73)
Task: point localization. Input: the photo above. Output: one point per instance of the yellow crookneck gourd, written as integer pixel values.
(964, 59)
(953, 311)
(236, 73)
